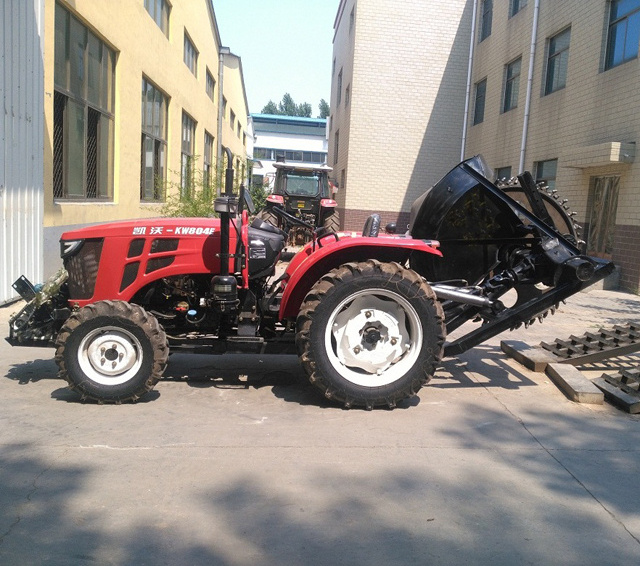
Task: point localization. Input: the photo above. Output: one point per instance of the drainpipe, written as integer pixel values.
(221, 54)
(527, 104)
(467, 100)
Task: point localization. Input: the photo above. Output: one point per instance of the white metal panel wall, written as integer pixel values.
(21, 142)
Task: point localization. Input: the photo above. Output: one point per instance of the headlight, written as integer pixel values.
(70, 247)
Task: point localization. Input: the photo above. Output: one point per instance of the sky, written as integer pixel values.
(285, 46)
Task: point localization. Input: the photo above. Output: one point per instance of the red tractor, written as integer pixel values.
(304, 191)
(367, 314)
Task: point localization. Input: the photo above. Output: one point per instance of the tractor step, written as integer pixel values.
(596, 346)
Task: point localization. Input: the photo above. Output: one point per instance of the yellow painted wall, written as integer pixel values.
(143, 50)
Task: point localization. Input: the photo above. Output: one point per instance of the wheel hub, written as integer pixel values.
(110, 355)
(371, 334)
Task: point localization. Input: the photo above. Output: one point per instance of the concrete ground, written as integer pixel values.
(243, 463)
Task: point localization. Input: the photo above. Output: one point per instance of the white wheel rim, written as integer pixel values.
(110, 355)
(373, 337)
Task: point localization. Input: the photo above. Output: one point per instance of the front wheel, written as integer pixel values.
(370, 334)
(111, 351)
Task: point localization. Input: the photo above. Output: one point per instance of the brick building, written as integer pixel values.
(553, 90)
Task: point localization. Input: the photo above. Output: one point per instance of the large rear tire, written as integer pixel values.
(269, 217)
(111, 351)
(332, 221)
(370, 334)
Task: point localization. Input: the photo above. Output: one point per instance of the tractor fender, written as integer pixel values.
(309, 265)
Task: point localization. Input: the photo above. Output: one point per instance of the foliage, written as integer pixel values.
(325, 111)
(258, 196)
(194, 199)
(287, 107)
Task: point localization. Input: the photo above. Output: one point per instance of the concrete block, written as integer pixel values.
(574, 384)
(616, 396)
(535, 359)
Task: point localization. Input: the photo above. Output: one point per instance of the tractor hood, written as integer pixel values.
(167, 227)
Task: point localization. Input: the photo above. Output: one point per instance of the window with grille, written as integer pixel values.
(154, 142)
(84, 74)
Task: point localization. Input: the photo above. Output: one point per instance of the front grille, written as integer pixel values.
(83, 269)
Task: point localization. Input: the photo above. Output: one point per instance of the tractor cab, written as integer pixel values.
(304, 191)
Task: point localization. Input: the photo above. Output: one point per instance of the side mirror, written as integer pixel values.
(245, 195)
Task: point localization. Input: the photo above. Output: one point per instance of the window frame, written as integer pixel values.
(486, 19)
(479, 119)
(155, 133)
(162, 21)
(509, 101)
(541, 177)
(610, 61)
(84, 91)
(187, 152)
(210, 86)
(190, 55)
(550, 85)
(515, 6)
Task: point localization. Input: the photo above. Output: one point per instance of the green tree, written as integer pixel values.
(325, 111)
(288, 107)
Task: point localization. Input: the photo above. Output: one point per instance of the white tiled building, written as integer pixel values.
(553, 89)
(294, 139)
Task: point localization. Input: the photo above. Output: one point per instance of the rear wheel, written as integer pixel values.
(332, 221)
(111, 351)
(269, 216)
(370, 334)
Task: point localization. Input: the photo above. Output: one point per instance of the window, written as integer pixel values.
(546, 172)
(187, 152)
(511, 85)
(224, 107)
(557, 62)
(352, 19)
(503, 173)
(624, 32)
(190, 55)
(208, 173)
(83, 105)
(515, 6)
(232, 118)
(486, 15)
(347, 95)
(159, 10)
(210, 86)
(481, 95)
(239, 130)
(339, 94)
(336, 146)
(154, 142)
(601, 214)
